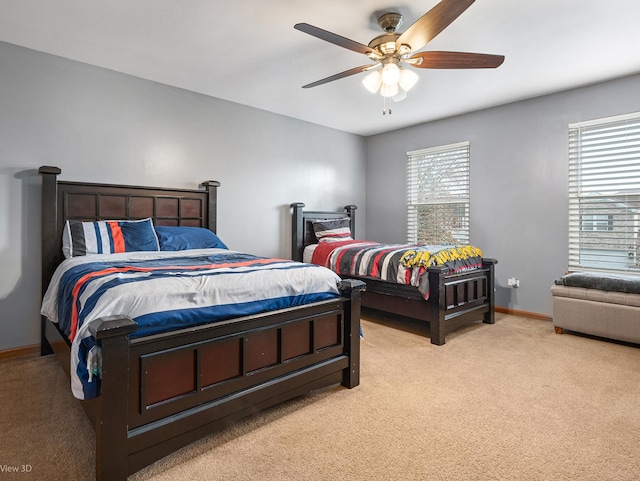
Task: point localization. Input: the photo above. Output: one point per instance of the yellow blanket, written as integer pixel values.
(437, 255)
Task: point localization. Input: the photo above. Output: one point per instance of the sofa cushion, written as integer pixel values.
(602, 281)
(596, 295)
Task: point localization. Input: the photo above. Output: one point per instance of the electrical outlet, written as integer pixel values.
(513, 282)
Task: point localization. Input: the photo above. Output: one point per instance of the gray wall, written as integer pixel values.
(99, 125)
(102, 126)
(519, 185)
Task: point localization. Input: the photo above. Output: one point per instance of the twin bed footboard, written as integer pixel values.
(459, 299)
(454, 299)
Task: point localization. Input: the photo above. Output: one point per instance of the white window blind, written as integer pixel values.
(604, 194)
(438, 195)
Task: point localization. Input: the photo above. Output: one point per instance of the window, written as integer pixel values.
(597, 222)
(438, 195)
(604, 194)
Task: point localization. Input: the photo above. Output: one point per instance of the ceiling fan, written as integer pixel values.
(392, 51)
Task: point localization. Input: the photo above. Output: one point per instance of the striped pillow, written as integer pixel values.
(332, 230)
(108, 237)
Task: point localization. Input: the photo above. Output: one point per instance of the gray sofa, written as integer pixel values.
(599, 304)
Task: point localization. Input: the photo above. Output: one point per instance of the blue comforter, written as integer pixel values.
(164, 291)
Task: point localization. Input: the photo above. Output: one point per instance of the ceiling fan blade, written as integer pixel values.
(333, 38)
(432, 23)
(340, 75)
(457, 60)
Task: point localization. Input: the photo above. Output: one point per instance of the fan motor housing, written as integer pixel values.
(389, 22)
(385, 44)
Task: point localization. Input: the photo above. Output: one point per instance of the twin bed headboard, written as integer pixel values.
(302, 233)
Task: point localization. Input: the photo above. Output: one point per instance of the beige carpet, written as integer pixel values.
(511, 401)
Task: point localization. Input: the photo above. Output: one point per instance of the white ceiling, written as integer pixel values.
(247, 51)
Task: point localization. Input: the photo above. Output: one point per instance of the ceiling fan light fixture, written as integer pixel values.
(372, 81)
(390, 74)
(392, 49)
(408, 79)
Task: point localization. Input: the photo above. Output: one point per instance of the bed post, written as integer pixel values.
(351, 212)
(297, 231)
(212, 188)
(436, 304)
(490, 315)
(111, 423)
(49, 219)
(351, 288)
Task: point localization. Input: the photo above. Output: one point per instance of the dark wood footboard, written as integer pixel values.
(162, 392)
(454, 300)
(184, 385)
(460, 299)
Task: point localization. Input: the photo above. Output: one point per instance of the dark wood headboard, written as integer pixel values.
(302, 233)
(62, 201)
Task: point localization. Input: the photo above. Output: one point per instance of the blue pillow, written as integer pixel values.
(174, 238)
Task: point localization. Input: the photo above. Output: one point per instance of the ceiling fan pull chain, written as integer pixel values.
(384, 106)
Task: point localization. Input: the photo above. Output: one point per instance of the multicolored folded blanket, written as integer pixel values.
(399, 263)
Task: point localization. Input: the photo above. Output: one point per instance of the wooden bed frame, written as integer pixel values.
(454, 300)
(161, 392)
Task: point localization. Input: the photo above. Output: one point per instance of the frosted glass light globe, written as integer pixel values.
(408, 79)
(387, 90)
(390, 74)
(372, 81)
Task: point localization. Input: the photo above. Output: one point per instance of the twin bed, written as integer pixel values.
(447, 295)
(150, 391)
